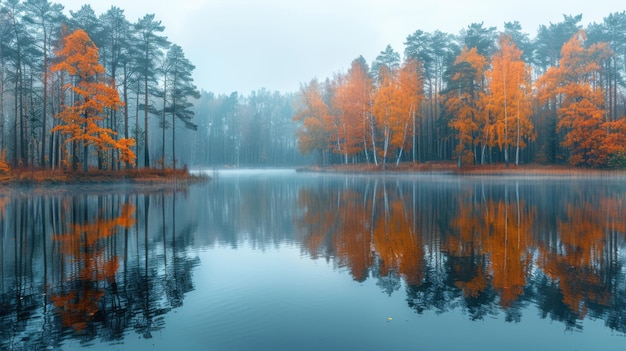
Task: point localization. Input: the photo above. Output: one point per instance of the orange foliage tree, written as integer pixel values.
(312, 113)
(395, 105)
(90, 95)
(386, 108)
(352, 99)
(508, 100)
(464, 100)
(576, 81)
(412, 93)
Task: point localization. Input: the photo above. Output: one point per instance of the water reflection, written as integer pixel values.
(98, 266)
(481, 247)
(89, 266)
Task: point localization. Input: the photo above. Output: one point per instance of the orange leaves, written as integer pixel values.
(351, 99)
(463, 101)
(4, 165)
(508, 99)
(575, 81)
(80, 56)
(477, 62)
(92, 97)
(348, 114)
(313, 112)
(395, 105)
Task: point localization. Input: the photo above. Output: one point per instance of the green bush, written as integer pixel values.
(618, 160)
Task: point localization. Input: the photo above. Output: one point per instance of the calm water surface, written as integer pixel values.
(275, 260)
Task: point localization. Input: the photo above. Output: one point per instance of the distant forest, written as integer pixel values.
(482, 96)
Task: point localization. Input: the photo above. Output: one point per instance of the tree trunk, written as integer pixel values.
(44, 113)
(125, 93)
(146, 151)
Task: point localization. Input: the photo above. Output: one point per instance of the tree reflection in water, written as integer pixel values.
(84, 266)
(477, 246)
(97, 266)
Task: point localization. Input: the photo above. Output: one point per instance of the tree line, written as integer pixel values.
(48, 118)
(236, 130)
(482, 96)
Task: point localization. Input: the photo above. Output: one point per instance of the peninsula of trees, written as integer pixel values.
(77, 92)
(149, 113)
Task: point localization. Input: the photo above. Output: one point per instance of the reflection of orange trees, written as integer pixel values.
(508, 241)
(4, 200)
(337, 220)
(490, 246)
(463, 247)
(84, 247)
(355, 229)
(493, 229)
(351, 242)
(576, 261)
(318, 220)
(397, 246)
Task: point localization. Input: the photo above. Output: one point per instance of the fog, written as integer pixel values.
(242, 45)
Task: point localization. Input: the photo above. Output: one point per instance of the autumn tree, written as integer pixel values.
(352, 98)
(463, 101)
(508, 100)
(547, 46)
(312, 112)
(90, 94)
(411, 85)
(333, 120)
(385, 109)
(395, 104)
(581, 113)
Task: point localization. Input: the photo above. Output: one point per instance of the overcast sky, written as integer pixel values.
(244, 45)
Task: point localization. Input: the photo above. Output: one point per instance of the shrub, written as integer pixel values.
(4, 166)
(618, 160)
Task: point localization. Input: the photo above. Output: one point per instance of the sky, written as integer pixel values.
(246, 45)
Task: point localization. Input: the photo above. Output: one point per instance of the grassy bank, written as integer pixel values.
(41, 177)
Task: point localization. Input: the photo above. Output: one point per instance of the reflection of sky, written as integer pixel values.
(278, 299)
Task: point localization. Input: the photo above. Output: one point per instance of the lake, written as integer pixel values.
(279, 260)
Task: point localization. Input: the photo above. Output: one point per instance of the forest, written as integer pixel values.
(89, 90)
(480, 97)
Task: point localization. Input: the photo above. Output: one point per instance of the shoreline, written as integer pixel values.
(450, 168)
(133, 177)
